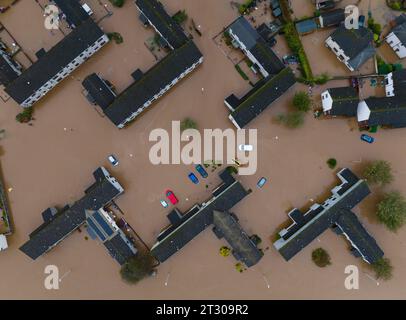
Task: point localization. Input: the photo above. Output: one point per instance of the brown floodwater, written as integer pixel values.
(46, 166)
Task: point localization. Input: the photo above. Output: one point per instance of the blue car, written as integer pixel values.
(261, 182)
(193, 178)
(367, 138)
(201, 170)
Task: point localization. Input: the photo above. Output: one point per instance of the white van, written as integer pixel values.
(3, 242)
(87, 9)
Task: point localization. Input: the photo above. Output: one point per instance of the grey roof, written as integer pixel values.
(245, 32)
(309, 226)
(50, 233)
(54, 61)
(98, 90)
(306, 26)
(356, 43)
(400, 32)
(261, 96)
(73, 11)
(399, 82)
(242, 245)
(364, 242)
(387, 111)
(152, 82)
(332, 18)
(345, 101)
(169, 29)
(120, 248)
(175, 237)
(7, 72)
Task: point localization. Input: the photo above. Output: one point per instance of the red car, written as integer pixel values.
(171, 196)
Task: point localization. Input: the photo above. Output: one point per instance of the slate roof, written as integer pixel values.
(54, 61)
(345, 101)
(98, 90)
(49, 234)
(387, 111)
(245, 32)
(332, 18)
(365, 243)
(399, 82)
(73, 11)
(400, 29)
(309, 226)
(7, 73)
(153, 81)
(119, 249)
(169, 29)
(356, 43)
(175, 237)
(261, 96)
(306, 26)
(242, 245)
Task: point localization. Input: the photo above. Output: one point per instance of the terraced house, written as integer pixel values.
(335, 214)
(150, 86)
(277, 79)
(59, 62)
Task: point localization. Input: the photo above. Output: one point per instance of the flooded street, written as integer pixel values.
(46, 165)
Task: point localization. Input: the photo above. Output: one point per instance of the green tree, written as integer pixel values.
(137, 268)
(180, 16)
(378, 172)
(383, 269)
(321, 257)
(302, 101)
(188, 123)
(392, 211)
(117, 3)
(292, 119)
(26, 115)
(332, 163)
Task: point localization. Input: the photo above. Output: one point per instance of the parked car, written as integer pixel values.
(261, 182)
(245, 147)
(367, 138)
(361, 21)
(277, 12)
(325, 5)
(171, 196)
(3, 242)
(87, 9)
(290, 59)
(113, 160)
(164, 204)
(274, 4)
(193, 178)
(199, 168)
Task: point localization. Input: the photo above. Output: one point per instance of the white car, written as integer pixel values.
(87, 9)
(245, 147)
(3, 242)
(113, 160)
(164, 204)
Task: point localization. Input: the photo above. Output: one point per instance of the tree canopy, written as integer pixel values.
(302, 101)
(383, 269)
(137, 268)
(392, 210)
(321, 257)
(379, 172)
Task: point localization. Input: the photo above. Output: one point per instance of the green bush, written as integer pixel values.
(378, 172)
(321, 258)
(137, 268)
(302, 101)
(188, 123)
(383, 269)
(292, 119)
(180, 16)
(26, 115)
(117, 37)
(241, 72)
(392, 211)
(332, 163)
(117, 3)
(225, 251)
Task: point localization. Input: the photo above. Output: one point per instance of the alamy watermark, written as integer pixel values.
(352, 17)
(205, 149)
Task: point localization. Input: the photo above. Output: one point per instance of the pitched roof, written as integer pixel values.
(242, 245)
(307, 227)
(168, 28)
(261, 96)
(306, 26)
(345, 101)
(54, 61)
(360, 238)
(98, 90)
(400, 32)
(7, 71)
(332, 18)
(387, 111)
(152, 82)
(70, 218)
(356, 43)
(175, 237)
(245, 32)
(73, 10)
(120, 248)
